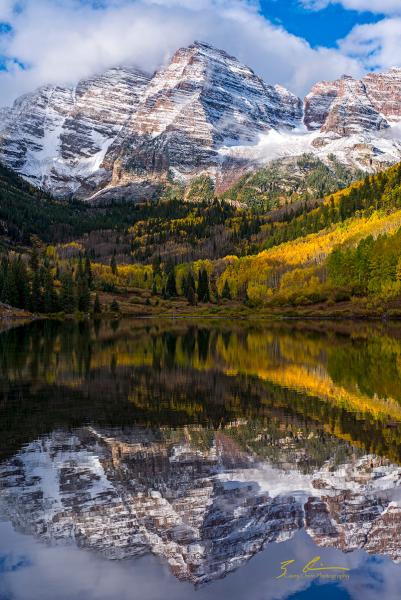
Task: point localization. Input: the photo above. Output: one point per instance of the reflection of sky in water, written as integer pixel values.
(33, 571)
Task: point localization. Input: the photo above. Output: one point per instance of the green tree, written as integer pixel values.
(50, 297)
(3, 279)
(203, 286)
(88, 271)
(22, 281)
(191, 296)
(189, 284)
(36, 292)
(226, 292)
(34, 260)
(113, 265)
(82, 288)
(67, 294)
(171, 286)
(11, 291)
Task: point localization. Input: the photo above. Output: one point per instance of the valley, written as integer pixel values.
(305, 234)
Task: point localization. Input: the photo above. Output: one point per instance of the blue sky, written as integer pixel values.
(291, 42)
(320, 27)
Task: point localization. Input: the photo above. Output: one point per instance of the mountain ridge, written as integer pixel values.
(122, 133)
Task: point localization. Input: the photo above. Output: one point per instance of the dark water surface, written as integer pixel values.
(177, 461)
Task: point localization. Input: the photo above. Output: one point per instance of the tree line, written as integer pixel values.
(374, 192)
(372, 268)
(40, 286)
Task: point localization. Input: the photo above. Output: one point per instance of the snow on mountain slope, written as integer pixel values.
(57, 137)
(202, 100)
(121, 133)
(205, 92)
(345, 118)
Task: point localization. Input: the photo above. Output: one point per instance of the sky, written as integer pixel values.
(292, 42)
(31, 570)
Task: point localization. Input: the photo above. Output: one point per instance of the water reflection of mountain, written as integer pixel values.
(201, 444)
(199, 498)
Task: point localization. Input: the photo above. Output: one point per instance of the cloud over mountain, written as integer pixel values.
(60, 41)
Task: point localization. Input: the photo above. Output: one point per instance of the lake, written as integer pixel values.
(183, 460)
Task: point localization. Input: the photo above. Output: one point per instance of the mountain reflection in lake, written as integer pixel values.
(190, 449)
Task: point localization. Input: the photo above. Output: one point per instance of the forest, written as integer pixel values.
(193, 246)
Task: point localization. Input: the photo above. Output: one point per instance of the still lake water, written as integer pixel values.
(210, 460)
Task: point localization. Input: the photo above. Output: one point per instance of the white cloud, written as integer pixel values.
(6, 9)
(383, 7)
(377, 45)
(61, 41)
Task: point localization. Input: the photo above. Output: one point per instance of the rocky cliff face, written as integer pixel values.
(351, 111)
(203, 100)
(122, 133)
(384, 91)
(205, 511)
(58, 137)
(357, 118)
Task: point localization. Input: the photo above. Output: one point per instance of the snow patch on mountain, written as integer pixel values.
(122, 133)
(362, 151)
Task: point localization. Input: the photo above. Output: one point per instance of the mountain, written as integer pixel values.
(123, 133)
(205, 511)
(58, 137)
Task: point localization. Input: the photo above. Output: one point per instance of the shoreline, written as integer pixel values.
(178, 309)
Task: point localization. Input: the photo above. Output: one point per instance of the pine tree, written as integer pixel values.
(36, 286)
(189, 286)
(226, 292)
(3, 279)
(36, 293)
(191, 296)
(206, 294)
(113, 265)
(22, 281)
(82, 288)
(171, 286)
(67, 294)
(11, 285)
(34, 260)
(88, 272)
(50, 298)
(200, 285)
(203, 286)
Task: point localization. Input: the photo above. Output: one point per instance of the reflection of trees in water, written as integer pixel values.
(372, 365)
(203, 344)
(63, 374)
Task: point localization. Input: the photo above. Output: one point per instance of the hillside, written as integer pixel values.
(27, 211)
(347, 247)
(288, 181)
(344, 248)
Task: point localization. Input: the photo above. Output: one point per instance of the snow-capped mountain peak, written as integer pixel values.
(122, 132)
